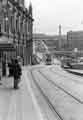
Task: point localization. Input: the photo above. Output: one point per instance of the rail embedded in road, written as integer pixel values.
(56, 94)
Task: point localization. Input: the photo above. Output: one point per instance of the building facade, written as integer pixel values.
(75, 40)
(16, 27)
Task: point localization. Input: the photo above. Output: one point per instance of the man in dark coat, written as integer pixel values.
(16, 73)
(10, 65)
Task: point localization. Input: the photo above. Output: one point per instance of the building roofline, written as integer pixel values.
(22, 9)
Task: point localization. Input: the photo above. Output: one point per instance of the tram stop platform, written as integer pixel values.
(75, 71)
(18, 104)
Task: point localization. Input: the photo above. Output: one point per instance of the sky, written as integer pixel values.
(49, 14)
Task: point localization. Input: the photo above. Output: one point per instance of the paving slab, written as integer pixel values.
(17, 104)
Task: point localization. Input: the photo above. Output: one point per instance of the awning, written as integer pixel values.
(7, 47)
(6, 44)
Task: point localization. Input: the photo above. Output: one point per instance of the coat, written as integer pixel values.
(17, 71)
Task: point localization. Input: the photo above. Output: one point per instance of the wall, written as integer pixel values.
(75, 39)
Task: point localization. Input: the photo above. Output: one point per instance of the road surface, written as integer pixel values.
(59, 94)
(47, 92)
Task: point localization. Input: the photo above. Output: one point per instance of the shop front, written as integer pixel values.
(7, 51)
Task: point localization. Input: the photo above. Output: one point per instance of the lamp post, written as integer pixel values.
(6, 25)
(23, 48)
(18, 43)
(4, 55)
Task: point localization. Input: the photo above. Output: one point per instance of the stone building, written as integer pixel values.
(16, 27)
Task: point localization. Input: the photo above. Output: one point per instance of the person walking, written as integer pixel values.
(10, 65)
(16, 73)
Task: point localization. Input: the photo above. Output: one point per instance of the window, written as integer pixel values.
(11, 24)
(5, 25)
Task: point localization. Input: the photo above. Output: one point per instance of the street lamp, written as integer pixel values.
(7, 26)
(23, 48)
(18, 43)
(6, 23)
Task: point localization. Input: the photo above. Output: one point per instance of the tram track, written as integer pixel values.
(51, 106)
(49, 101)
(61, 88)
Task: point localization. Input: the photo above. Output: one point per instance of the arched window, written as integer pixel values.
(6, 26)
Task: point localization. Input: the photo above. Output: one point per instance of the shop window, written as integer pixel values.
(0, 31)
(6, 26)
(16, 25)
(11, 24)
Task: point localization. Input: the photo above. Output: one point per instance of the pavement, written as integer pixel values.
(18, 104)
(28, 103)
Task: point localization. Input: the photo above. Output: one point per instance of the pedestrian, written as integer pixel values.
(10, 65)
(16, 73)
(3, 68)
